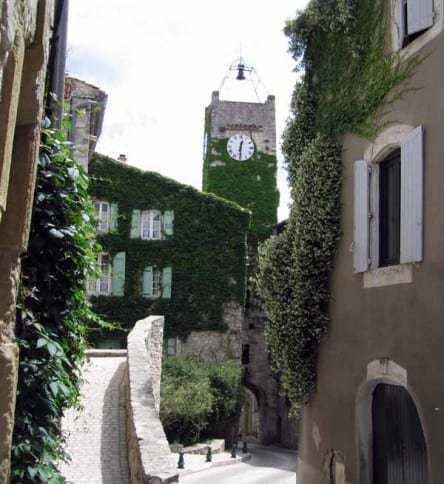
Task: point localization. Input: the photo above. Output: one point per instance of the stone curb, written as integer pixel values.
(97, 353)
(209, 465)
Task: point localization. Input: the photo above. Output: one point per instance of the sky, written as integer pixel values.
(159, 62)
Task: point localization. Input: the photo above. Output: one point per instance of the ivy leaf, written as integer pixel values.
(56, 234)
(41, 342)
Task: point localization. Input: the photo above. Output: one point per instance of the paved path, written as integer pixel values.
(97, 434)
(268, 465)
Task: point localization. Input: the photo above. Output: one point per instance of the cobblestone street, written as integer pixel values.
(97, 434)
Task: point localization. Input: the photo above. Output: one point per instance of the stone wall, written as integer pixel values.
(217, 345)
(149, 455)
(257, 118)
(25, 30)
(275, 425)
(87, 105)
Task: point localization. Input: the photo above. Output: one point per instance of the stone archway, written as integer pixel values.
(250, 418)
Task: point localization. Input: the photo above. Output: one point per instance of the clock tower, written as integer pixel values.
(240, 157)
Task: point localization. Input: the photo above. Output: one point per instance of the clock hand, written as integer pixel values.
(240, 148)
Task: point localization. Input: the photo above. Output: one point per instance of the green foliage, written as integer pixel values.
(294, 268)
(53, 312)
(207, 251)
(196, 396)
(251, 184)
(348, 78)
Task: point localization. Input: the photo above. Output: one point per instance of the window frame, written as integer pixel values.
(410, 44)
(365, 245)
(102, 285)
(389, 210)
(103, 219)
(153, 231)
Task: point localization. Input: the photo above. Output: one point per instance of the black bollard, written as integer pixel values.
(233, 450)
(181, 463)
(209, 455)
(244, 448)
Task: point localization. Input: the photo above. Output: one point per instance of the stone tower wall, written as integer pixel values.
(229, 117)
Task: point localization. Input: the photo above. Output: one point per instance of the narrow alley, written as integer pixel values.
(96, 434)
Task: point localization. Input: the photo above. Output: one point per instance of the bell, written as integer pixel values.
(240, 72)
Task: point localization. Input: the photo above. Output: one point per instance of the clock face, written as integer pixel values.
(240, 147)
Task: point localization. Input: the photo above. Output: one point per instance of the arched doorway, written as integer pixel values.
(250, 419)
(399, 448)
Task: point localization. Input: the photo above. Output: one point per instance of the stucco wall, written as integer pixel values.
(400, 323)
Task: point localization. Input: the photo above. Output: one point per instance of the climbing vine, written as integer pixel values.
(251, 184)
(348, 77)
(207, 251)
(53, 312)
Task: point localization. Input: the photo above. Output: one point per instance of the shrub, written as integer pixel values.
(196, 396)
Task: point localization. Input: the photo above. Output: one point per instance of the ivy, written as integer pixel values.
(349, 77)
(251, 184)
(53, 312)
(207, 251)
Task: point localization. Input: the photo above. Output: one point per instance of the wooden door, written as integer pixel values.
(399, 450)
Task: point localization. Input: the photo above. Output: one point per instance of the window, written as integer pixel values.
(389, 209)
(388, 206)
(106, 214)
(103, 216)
(156, 283)
(414, 23)
(150, 225)
(245, 359)
(111, 278)
(416, 17)
(101, 285)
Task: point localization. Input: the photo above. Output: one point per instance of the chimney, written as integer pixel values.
(122, 158)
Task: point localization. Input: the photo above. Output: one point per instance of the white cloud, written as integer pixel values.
(159, 61)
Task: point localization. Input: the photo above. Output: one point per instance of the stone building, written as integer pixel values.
(32, 50)
(377, 415)
(86, 104)
(240, 164)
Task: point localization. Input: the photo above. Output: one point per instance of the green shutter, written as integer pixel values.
(166, 282)
(118, 286)
(135, 224)
(168, 218)
(113, 218)
(147, 282)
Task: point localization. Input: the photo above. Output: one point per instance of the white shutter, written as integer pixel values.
(147, 282)
(118, 273)
(113, 217)
(135, 224)
(419, 15)
(167, 276)
(168, 219)
(412, 167)
(361, 176)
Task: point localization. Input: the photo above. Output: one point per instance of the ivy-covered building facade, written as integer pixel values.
(172, 250)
